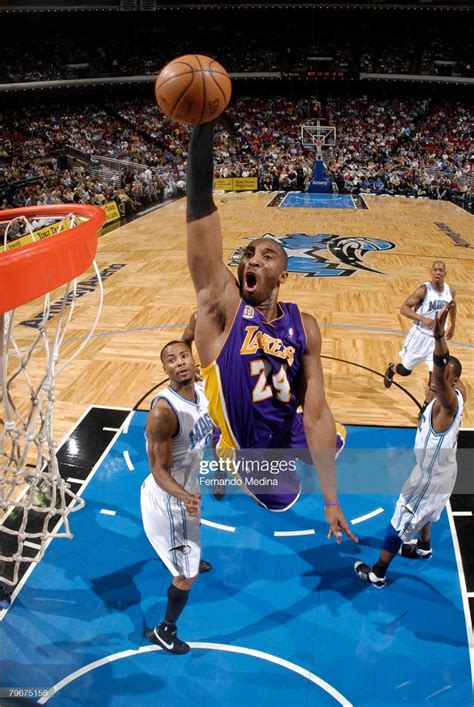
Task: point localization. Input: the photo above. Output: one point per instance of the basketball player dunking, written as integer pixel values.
(177, 430)
(260, 357)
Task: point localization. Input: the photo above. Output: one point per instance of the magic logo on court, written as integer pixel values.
(324, 254)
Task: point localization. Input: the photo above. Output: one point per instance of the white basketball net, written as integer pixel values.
(34, 499)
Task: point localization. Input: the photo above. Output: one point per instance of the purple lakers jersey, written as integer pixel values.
(251, 386)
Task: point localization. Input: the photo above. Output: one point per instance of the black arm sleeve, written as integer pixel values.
(200, 173)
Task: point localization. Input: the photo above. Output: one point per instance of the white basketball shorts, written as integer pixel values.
(421, 501)
(417, 348)
(174, 534)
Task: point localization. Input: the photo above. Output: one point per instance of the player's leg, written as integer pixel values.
(424, 536)
(403, 525)
(409, 359)
(376, 574)
(411, 355)
(418, 507)
(175, 536)
(429, 507)
(419, 549)
(393, 368)
(428, 511)
(165, 634)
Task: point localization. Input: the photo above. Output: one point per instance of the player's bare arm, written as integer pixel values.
(161, 425)
(216, 289)
(320, 429)
(411, 303)
(188, 334)
(446, 404)
(452, 316)
(188, 338)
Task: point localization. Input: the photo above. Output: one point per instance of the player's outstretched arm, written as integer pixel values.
(188, 333)
(188, 337)
(320, 430)
(205, 252)
(452, 316)
(161, 425)
(446, 405)
(408, 308)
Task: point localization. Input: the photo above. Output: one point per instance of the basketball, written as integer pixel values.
(193, 89)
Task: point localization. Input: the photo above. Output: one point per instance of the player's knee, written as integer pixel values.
(402, 371)
(184, 583)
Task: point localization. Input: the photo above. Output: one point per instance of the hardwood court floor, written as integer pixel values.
(148, 301)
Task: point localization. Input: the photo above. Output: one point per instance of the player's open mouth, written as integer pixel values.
(250, 281)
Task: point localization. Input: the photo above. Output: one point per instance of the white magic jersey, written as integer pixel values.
(436, 451)
(427, 490)
(432, 303)
(194, 432)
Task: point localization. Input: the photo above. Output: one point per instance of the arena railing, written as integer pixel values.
(102, 161)
(127, 80)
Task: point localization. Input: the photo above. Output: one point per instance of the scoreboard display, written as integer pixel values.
(334, 74)
(329, 73)
(326, 68)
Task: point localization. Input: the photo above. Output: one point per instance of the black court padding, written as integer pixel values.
(87, 443)
(465, 502)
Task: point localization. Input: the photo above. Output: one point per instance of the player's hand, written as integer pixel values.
(450, 333)
(192, 503)
(427, 322)
(440, 321)
(197, 374)
(338, 524)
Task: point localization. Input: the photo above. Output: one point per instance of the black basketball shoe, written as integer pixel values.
(365, 572)
(413, 552)
(388, 376)
(204, 566)
(167, 638)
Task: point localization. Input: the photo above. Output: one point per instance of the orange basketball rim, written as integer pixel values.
(32, 270)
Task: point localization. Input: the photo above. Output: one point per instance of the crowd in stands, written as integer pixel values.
(72, 57)
(115, 57)
(410, 147)
(33, 168)
(395, 57)
(440, 56)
